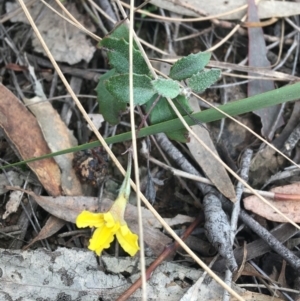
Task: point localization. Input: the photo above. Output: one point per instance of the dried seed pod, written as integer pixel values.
(91, 166)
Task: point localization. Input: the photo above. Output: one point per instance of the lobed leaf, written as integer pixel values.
(202, 80)
(118, 55)
(189, 65)
(118, 86)
(109, 106)
(166, 87)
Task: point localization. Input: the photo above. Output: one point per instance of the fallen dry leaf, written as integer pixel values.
(66, 42)
(25, 137)
(52, 225)
(58, 137)
(195, 8)
(97, 120)
(264, 164)
(257, 57)
(68, 207)
(69, 273)
(290, 208)
(211, 167)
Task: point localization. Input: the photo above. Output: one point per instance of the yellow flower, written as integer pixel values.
(111, 223)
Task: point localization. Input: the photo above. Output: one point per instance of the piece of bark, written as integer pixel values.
(218, 230)
(67, 274)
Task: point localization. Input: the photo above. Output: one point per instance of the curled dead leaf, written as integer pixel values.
(68, 207)
(290, 208)
(25, 137)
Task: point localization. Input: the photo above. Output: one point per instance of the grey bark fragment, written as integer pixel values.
(292, 140)
(217, 225)
(218, 230)
(75, 275)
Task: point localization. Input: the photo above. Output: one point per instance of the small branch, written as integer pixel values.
(274, 244)
(216, 224)
(277, 246)
(245, 165)
(218, 230)
(165, 254)
(267, 194)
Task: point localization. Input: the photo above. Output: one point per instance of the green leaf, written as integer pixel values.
(118, 86)
(189, 65)
(202, 80)
(166, 87)
(109, 106)
(163, 112)
(118, 55)
(122, 32)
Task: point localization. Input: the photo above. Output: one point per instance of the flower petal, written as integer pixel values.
(89, 219)
(118, 208)
(101, 239)
(128, 240)
(109, 220)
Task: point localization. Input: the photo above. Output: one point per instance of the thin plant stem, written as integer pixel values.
(135, 154)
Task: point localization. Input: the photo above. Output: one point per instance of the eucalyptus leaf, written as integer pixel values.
(118, 86)
(166, 87)
(189, 65)
(202, 80)
(118, 55)
(109, 106)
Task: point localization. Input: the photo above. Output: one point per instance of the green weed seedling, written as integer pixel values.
(113, 87)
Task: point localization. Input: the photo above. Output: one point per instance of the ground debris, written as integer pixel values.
(76, 275)
(218, 229)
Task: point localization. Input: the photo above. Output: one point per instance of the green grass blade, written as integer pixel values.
(271, 98)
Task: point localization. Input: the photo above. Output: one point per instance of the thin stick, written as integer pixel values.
(135, 154)
(168, 19)
(245, 165)
(163, 256)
